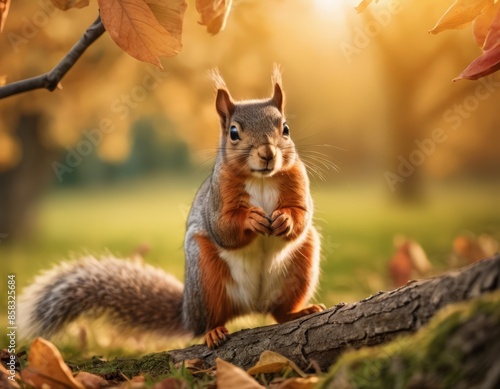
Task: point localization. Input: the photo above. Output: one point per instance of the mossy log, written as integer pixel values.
(323, 337)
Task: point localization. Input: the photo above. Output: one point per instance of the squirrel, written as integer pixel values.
(250, 243)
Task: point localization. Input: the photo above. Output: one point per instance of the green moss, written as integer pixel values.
(438, 356)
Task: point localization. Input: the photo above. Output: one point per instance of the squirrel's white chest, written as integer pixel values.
(258, 270)
(263, 192)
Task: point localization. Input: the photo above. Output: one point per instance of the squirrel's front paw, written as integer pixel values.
(281, 223)
(258, 221)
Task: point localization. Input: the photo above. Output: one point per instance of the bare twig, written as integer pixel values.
(51, 79)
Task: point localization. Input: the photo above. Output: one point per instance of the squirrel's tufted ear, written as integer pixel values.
(223, 102)
(224, 105)
(278, 98)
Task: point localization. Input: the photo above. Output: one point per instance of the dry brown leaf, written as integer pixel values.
(214, 14)
(90, 381)
(299, 383)
(171, 383)
(135, 29)
(271, 362)
(483, 22)
(4, 10)
(230, 377)
(67, 4)
(460, 15)
(47, 368)
(6, 373)
(170, 14)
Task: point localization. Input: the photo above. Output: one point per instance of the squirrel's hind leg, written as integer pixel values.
(214, 338)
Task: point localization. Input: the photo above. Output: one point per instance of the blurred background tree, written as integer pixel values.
(374, 101)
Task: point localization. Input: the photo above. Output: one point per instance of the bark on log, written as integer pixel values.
(324, 336)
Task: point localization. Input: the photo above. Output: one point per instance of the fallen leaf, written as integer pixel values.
(299, 383)
(484, 65)
(459, 15)
(483, 23)
(135, 29)
(90, 381)
(171, 383)
(271, 362)
(214, 14)
(230, 377)
(6, 373)
(67, 4)
(46, 368)
(4, 10)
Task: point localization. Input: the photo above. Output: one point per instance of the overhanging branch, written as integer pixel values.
(51, 79)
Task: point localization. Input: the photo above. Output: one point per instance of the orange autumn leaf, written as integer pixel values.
(4, 10)
(213, 14)
(483, 23)
(484, 65)
(362, 4)
(271, 362)
(460, 15)
(170, 14)
(47, 369)
(134, 28)
(493, 37)
(230, 376)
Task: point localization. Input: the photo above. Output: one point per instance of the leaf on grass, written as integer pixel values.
(47, 368)
(90, 381)
(171, 383)
(271, 362)
(11, 383)
(67, 4)
(299, 383)
(135, 29)
(459, 15)
(4, 10)
(213, 14)
(230, 377)
(362, 4)
(484, 65)
(483, 22)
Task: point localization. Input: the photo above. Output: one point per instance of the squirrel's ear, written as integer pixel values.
(224, 105)
(223, 102)
(278, 98)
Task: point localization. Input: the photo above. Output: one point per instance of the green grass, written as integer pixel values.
(358, 225)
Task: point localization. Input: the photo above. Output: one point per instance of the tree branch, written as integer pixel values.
(51, 79)
(324, 336)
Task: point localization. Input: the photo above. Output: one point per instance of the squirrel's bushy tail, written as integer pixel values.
(134, 296)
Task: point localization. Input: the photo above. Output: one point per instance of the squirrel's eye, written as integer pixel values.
(286, 130)
(233, 133)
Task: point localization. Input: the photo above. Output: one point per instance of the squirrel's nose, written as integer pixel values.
(266, 152)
